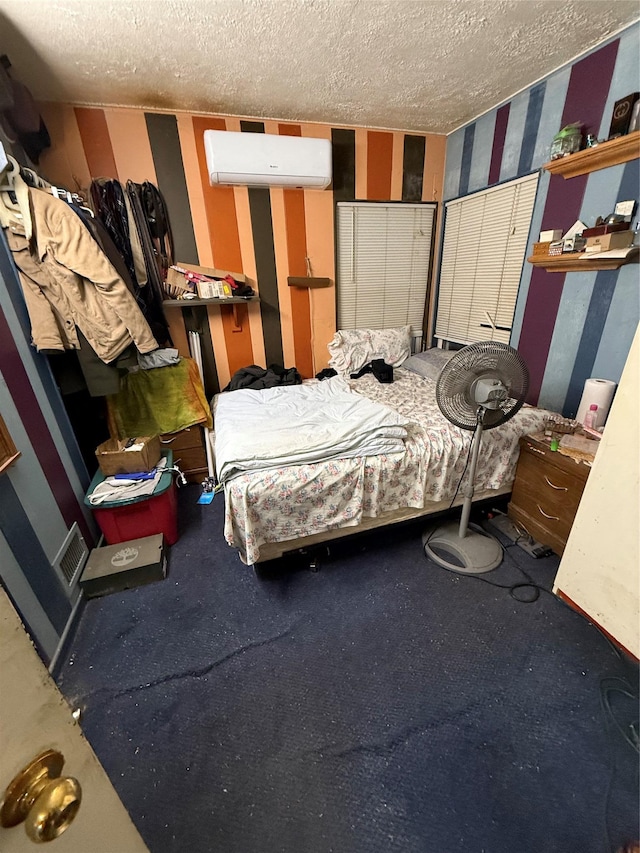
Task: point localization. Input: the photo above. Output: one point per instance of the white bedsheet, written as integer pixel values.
(295, 424)
(286, 502)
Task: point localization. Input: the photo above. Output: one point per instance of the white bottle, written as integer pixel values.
(591, 417)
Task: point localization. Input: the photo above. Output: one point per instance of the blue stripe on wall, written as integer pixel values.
(620, 326)
(28, 551)
(513, 139)
(554, 98)
(482, 148)
(577, 291)
(602, 192)
(592, 330)
(534, 111)
(467, 152)
(453, 160)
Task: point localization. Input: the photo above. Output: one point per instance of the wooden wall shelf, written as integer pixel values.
(228, 302)
(612, 153)
(189, 303)
(585, 263)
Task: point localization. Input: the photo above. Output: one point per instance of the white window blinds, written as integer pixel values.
(384, 252)
(485, 239)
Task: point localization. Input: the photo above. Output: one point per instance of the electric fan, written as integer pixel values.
(481, 387)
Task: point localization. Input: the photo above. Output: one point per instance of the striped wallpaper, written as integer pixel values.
(569, 327)
(572, 326)
(267, 234)
(41, 494)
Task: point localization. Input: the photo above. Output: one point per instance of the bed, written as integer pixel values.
(275, 504)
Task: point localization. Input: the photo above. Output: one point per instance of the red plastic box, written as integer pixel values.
(121, 521)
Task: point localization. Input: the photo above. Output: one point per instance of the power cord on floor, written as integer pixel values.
(528, 584)
(608, 686)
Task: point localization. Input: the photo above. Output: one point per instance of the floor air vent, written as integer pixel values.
(72, 556)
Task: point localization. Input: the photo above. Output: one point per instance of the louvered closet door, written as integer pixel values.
(485, 240)
(384, 253)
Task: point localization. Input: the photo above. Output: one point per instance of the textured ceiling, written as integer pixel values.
(408, 64)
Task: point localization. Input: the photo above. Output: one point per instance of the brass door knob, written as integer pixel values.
(44, 800)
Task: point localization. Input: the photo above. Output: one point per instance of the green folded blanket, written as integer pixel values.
(157, 401)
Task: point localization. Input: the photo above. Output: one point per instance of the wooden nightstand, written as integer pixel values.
(546, 492)
(189, 453)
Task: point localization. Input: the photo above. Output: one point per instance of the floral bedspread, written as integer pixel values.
(280, 504)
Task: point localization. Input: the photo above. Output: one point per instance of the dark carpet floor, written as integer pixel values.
(381, 704)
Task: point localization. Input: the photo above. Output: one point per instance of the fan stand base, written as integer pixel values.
(477, 552)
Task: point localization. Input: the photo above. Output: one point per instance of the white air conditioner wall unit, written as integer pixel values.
(263, 159)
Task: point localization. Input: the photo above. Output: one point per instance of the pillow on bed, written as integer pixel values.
(429, 363)
(351, 349)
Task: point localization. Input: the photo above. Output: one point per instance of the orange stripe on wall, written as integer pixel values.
(220, 208)
(296, 252)
(133, 162)
(362, 137)
(379, 163)
(195, 191)
(65, 163)
(435, 149)
(92, 124)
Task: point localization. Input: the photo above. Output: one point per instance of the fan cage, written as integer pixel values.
(482, 360)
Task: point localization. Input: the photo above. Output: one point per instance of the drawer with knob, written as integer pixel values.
(546, 492)
(188, 452)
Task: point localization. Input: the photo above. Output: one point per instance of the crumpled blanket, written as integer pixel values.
(157, 401)
(300, 424)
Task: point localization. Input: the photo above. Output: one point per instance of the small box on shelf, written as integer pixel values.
(607, 242)
(541, 248)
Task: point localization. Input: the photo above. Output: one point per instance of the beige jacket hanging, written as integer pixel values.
(69, 283)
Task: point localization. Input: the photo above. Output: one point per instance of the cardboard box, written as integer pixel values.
(541, 248)
(605, 229)
(551, 236)
(607, 242)
(177, 278)
(124, 566)
(214, 289)
(114, 459)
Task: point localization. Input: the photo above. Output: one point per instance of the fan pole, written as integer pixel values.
(468, 489)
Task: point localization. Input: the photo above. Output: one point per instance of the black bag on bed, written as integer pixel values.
(259, 377)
